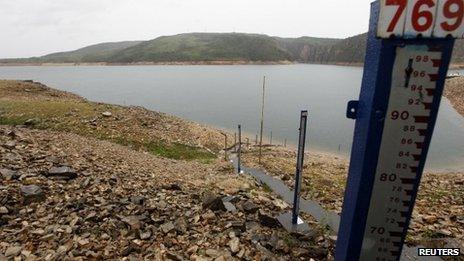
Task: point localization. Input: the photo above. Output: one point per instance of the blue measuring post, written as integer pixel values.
(406, 64)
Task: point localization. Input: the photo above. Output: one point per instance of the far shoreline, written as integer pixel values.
(453, 66)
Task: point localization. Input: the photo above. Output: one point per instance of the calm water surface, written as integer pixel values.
(223, 96)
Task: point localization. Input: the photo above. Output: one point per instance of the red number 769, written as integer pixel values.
(422, 20)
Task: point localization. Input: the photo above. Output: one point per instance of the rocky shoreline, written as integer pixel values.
(454, 66)
(224, 62)
(454, 92)
(70, 190)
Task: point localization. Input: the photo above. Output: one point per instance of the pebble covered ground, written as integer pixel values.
(63, 196)
(454, 92)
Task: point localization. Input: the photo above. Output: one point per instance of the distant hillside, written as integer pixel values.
(308, 49)
(204, 47)
(350, 50)
(93, 53)
(197, 47)
(353, 49)
(228, 47)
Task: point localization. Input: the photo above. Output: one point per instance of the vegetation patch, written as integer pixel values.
(86, 119)
(180, 152)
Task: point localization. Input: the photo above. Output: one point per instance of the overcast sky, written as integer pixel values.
(37, 27)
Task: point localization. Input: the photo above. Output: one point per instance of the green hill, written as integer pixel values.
(204, 47)
(93, 53)
(350, 50)
(308, 49)
(197, 47)
(353, 49)
(231, 47)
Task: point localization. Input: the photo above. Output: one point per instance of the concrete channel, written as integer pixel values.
(313, 208)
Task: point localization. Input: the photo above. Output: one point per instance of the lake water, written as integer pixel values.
(224, 96)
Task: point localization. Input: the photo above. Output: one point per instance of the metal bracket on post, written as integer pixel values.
(352, 110)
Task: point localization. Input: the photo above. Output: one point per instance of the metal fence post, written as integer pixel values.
(299, 166)
(262, 123)
(239, 148)
(225, 146)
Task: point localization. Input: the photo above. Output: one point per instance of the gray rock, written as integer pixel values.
(63, 172)
(231, 199)
(12, 157)
(238, 225)
(129, 249)
(138, 200)
(167, 227)
(107, 114)
(173, 186)
(267, 220)
(9, 145)
(333, 238)
(31, 122)
(174, 256)
(214, 203)
(8, 174)
(13, 251)
(133, 222)
(259, 238)
(229, 207)
(11, 133)
(181, 225)
(145, 235)
(234, 245)
(250, 207)
(32, 193)
(301, 252)
(86, 183)
(251, 225)
(4, 210)
(52, 159)
(212, 253)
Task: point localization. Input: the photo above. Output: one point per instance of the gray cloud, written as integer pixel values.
(33, 28)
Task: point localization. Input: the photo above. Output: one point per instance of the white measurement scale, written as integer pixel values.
(408, 53)
(411, 96)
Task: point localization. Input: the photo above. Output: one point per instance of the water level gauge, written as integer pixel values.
(404, 75)
(413, 84)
